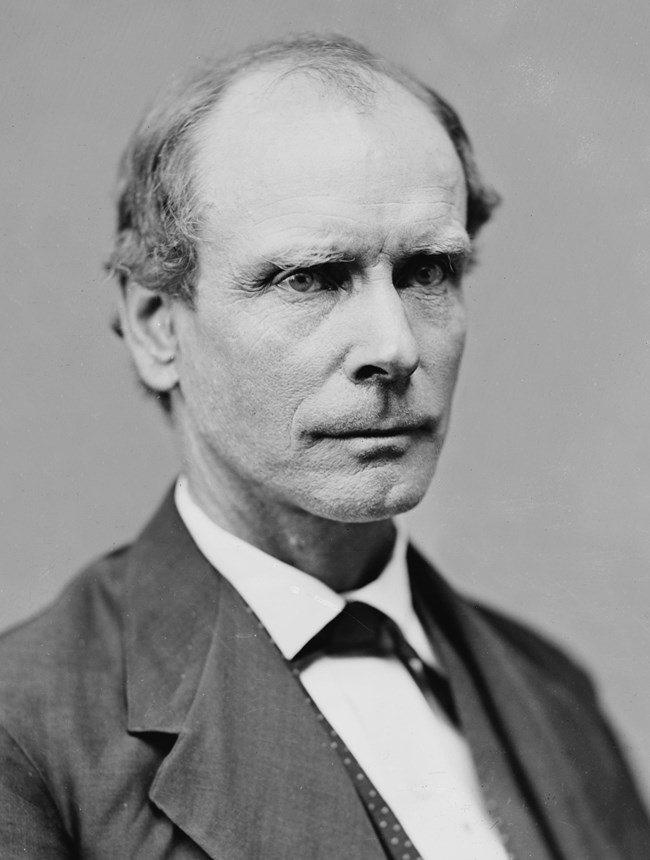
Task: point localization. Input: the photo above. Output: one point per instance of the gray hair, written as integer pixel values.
(158, 221)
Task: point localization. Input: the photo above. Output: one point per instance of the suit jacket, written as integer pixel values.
(146, 715)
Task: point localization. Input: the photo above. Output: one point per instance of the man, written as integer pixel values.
(293, 230)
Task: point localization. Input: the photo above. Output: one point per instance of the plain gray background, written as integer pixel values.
(542, 502)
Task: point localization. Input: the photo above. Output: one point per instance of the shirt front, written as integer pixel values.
(415, 757)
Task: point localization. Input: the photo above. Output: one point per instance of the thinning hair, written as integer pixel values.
(159, 206)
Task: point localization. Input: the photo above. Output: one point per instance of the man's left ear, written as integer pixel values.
(147, 322)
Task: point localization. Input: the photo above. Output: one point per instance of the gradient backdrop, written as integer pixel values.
(542, 501)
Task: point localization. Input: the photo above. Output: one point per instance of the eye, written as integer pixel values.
(314, 279)
(303, 281)
(429, 275)
(425, 272)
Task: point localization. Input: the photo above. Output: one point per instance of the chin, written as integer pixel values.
(371, 495)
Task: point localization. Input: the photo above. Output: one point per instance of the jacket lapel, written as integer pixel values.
(542, 725)
(251, 773)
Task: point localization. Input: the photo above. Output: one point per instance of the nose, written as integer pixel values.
(383, 347)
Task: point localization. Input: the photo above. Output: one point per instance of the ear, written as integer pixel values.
(147, 323)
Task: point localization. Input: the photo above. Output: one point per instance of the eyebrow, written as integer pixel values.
(290, 257)
(454, 246)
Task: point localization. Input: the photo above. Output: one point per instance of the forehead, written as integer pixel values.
(287, 155)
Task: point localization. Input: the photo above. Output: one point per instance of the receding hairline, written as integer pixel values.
(332, 59)
(358, 86)
(361, 87)
(256, 88)
(337, 68)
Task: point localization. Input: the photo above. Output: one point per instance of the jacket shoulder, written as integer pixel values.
(72, 638)
(548, 659)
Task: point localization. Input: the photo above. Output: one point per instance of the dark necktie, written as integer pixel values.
(360, 629)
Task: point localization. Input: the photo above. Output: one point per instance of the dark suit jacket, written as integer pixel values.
(146, 715)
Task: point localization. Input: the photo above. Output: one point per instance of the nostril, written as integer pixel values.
(370, 370)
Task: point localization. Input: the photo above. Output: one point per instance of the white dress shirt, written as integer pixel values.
(416, 759)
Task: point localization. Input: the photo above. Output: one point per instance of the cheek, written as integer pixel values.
(442, 341)
(457, 345)
(246, 380)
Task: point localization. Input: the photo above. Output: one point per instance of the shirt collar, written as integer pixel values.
(291, 604)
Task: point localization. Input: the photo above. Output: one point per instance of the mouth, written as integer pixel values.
(378, 442)
(378, 431)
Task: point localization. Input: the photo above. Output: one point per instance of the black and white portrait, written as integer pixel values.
(324, 454)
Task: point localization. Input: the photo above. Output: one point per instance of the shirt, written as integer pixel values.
(415, 757)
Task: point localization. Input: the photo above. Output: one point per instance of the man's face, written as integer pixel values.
(318, 366)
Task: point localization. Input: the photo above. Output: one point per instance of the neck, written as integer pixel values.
(344, 556)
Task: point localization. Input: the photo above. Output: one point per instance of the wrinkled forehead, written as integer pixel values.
(283, 147)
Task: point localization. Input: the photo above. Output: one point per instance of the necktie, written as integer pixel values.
(361, 629)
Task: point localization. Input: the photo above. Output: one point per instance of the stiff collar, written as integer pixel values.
(292, 605)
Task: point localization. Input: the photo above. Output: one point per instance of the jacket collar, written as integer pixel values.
(171, 600)
(251, 770)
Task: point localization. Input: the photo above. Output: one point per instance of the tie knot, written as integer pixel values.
(358, 630)
(361, 630)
